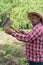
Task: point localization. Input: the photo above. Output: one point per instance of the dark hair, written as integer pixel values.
(35, 15)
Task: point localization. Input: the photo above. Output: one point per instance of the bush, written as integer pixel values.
(18, 10)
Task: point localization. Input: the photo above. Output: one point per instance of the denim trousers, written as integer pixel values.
(35, 63)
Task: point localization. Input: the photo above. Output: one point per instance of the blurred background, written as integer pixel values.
(12, 51)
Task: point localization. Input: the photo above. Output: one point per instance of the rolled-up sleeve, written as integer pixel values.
(32, 35)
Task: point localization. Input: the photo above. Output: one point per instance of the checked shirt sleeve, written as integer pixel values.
(20, 37)
(27, 37)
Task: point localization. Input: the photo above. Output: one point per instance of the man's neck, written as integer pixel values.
(36, 24)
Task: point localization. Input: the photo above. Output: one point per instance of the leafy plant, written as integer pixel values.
(24, 61)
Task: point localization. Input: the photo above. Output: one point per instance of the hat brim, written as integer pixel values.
(35, 13)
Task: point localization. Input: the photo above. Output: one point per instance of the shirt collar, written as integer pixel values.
(37, 24)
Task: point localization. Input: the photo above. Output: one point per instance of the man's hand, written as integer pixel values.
(21, 31)
(9, 31)
(18, 30)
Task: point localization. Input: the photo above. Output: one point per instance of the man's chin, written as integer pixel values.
(33, 24)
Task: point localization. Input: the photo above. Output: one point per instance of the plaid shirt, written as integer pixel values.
(34, 43)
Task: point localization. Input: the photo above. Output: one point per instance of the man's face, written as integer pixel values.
(35, 19)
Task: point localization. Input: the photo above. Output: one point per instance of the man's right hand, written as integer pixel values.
(9, 31)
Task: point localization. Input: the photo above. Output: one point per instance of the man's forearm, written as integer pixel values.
(18, 36)
(18, 31)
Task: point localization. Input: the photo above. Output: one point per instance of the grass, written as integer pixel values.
(1, 29)
(14, 51)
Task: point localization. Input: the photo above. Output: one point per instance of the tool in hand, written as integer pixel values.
(7, 23)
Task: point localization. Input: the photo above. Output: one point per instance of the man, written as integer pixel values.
(33, 39)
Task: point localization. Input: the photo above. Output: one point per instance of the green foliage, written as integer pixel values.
(5, 5)
(24, 61)
(12, 50)
(18, 10)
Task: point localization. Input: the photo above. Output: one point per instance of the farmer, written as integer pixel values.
(33, 39)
